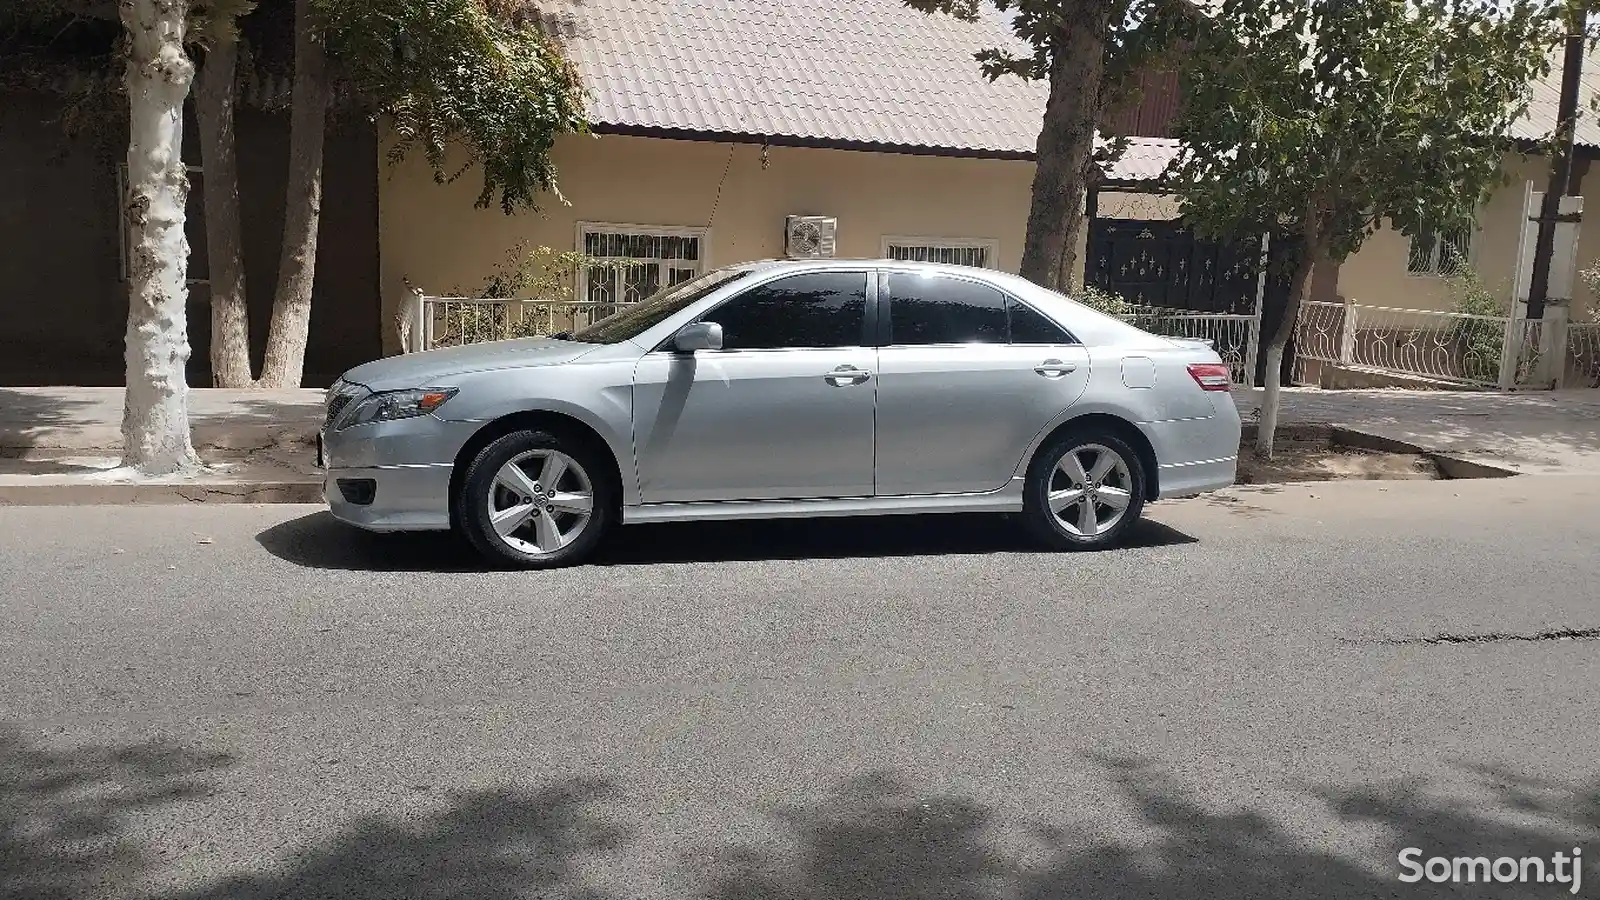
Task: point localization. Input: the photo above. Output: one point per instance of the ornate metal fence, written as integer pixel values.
(1448, 348)
(1582, 359)
(1233, 336)
(436, 322)
(1444, 347)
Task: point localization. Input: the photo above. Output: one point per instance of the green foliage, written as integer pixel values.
(453, 73)
(541, 275)
(1481, 342)
(1333, 117)
(1591, 278)
(1098, 298)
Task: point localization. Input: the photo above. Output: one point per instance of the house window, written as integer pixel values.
(639, 260)
(1440, 252)
(194, 227)
(976, 252)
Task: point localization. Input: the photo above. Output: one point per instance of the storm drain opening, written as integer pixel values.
(1309, 452)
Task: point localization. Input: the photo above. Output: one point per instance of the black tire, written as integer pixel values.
(1045, 476)
(473, 499)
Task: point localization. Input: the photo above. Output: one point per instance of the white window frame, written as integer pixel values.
(990, 246)
(584, 229)
(122, 224)
(1435, 268)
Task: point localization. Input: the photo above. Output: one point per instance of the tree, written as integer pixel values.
(476, 76)
(215, 99)
(157, 74)
(1100, 44)
(1329, 118)
(155, 419)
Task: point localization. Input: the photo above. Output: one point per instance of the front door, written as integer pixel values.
(783, 411)
(969, 377)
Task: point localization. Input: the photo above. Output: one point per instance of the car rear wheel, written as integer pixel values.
(1084, 491)
(535, 500)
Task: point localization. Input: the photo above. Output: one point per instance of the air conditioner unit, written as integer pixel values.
(809, 237)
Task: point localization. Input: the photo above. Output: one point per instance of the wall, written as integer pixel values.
(65, 304)
(434, 236)
(1376, 274)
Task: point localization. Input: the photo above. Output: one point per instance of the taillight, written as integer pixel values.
(1211, 376)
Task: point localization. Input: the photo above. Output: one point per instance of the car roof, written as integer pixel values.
(1014, 283)
(835, 262)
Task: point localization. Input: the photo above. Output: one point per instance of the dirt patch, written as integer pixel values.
(1316, 452)
(1333, 463)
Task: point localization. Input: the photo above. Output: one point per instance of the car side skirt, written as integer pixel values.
(1005, 500)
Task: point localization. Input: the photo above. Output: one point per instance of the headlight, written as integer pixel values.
(391, 405)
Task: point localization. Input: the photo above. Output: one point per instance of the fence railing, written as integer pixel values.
(1582, 358)
(1450, 348)
(1445, 347)
(436, 322)
(1235, 337)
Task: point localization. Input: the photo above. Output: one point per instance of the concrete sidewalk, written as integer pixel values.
(1547, 432)
(56, 443)
(90, 419)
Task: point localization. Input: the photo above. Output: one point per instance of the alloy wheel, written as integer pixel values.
(1089, 490)
(540, 502)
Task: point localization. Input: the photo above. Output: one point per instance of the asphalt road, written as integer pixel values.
(235, 702)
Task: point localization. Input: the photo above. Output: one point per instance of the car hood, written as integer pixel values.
(430, 368)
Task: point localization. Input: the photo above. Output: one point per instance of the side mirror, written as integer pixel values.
(699, 336)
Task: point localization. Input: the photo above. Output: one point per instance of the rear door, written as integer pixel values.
(968, 376)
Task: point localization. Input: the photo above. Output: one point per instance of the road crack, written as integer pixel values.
(1488, 637)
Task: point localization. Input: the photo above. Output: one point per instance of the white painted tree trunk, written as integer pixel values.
(155, 420)
(1267, 427)
(1313, 254)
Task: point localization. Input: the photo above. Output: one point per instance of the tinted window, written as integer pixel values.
(820, 309)
(637, 318)
(1029, 326)
(937, 310)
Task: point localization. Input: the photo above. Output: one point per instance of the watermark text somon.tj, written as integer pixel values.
(1559, 868)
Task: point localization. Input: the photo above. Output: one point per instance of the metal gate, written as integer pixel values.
(1161, 263)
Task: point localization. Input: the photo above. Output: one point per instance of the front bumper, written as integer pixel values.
(403, 498)
(408, 463)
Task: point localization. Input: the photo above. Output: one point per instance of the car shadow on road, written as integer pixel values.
(318, 541)
(74, 822)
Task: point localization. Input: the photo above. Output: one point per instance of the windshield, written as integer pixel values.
(637, 318)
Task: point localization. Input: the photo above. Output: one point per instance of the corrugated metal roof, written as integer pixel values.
(867, 72)
(1143, 159)
(1540, 121)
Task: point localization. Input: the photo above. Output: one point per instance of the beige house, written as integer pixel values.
(715, 124)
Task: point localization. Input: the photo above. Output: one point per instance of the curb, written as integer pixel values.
(1450, 465)
(108, 439)
(99, 494)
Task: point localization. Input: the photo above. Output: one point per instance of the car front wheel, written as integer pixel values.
(535, 500)
(1084, 491)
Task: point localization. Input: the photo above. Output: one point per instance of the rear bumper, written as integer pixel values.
(404, 498)
(1196, 455)
(1188, 479)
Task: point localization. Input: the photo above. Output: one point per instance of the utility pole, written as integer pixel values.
(1561, 163)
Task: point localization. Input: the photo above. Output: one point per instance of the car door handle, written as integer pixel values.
(844, 376)
(1055, 368)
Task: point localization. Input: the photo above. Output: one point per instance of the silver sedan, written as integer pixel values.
(784, 389)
